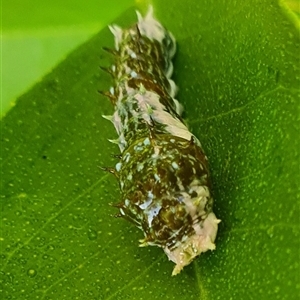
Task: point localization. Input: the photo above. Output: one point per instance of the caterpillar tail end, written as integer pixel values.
(201, 241)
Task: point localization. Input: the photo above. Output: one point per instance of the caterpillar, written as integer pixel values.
(163, 172)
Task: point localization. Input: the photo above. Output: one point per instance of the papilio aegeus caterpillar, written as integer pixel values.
(163, 173)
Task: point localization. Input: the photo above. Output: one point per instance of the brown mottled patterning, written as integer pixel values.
(163, 171)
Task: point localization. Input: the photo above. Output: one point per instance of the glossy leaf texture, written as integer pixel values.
(237, 68)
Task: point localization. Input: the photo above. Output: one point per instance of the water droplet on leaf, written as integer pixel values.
(31, 273)
(92, 234)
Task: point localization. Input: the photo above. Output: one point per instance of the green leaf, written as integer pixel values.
(237, 67)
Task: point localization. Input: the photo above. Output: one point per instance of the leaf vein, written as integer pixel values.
(241, 108)
(51, 219)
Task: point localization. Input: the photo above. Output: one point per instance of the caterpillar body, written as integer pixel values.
(163, 172)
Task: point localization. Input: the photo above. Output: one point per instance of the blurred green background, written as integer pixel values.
(36, 35)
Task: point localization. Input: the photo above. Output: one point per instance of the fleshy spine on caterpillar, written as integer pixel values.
(163, 172)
